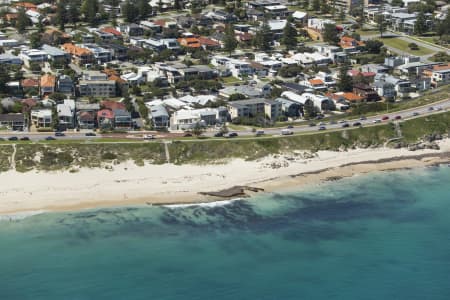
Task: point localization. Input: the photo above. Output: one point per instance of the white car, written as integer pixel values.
(376, 121)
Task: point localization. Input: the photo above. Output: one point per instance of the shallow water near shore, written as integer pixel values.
(384, 235)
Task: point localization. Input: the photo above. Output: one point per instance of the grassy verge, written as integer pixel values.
(5, 154)
(415, 129)
(403, 46)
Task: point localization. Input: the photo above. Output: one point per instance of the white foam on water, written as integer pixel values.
(203, 204)
(20, 215)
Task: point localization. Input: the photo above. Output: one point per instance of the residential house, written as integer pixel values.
(80, 56)
(249, 91)
(342, 99)
(11, 59)
(277, 11)
(30, 85)
(439, 74)
(86, 114)
(402, 87)
(365, 91)
(350, 45)
(131, 29)
(56, 55)
(122, 119)
(65, 85)
(66, 115)
(13, 121)
(33, 56)
(253, 107)
(189, 42)
(321, 103)
(101, 55)
(105, 119)
(41, 118)
(48, 84)
(290, 108)
(159, 116)
(116, 51)
(96, 84)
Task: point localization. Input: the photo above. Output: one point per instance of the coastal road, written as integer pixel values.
(428, 109)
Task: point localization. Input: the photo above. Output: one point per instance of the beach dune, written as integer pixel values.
(128, 184)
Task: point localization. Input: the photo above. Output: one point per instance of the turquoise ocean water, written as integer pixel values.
(378, 236)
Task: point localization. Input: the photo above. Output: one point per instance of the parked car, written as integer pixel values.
(24, 138)
(13, 138)
(398, 117)
(50, 138)
(58, 133)
(345, 125)
(357, 124)
(385, 118)
(322, 128)
(90, 134)
(218, 134)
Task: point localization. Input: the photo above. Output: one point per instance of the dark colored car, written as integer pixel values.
(218, 134)
(312, 124)
(357, 124)
(322, 128)
(58, 133)
(398, 117)
(24, 138)
(431, 108)
(233, 134)
(13, 138)
(362, 118)
(90, 134)
(290, 126)
(187, 135)
(385, 118)
(415, 113)
(345, 125)
(50, 138)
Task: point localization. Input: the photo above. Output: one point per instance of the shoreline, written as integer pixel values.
(168, 184)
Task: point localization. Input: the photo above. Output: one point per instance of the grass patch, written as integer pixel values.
(403, 46)
(254, 148)
(5, 155)
(231, 80)
(415, 129)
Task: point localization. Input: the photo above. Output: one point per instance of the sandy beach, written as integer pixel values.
(128, 184)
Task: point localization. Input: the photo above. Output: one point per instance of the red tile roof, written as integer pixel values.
(111, 30)
(105, 113)
(112, 105)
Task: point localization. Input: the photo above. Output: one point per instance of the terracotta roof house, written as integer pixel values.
(26, 5)
(105, 118)
(112, 30)
(112, 105)
(47, 84)
(208, 43)
(80, 56)
(347, 96)
(366, 91)
(29, 83)
(190, 42)
(86, 120)
(350, 43)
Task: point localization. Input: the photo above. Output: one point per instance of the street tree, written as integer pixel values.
(289, 38)
(229, 42)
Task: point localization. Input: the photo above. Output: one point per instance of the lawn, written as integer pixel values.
(367, 32)
(231, 80)
(403, 46)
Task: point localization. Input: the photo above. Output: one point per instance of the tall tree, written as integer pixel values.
(289, 38)
(61, 14)
(129, 11)
(73, 13)
(330, 33)
(315, 5)
(35, 40)
(144, 9)
(263, 38)
(381, 23)
(90, 8)
(4, 79)
(420, 27)
(345, 83)
(22, 21)
(229, 42)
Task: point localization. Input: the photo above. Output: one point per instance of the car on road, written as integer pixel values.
(321, 123)
(218, 134)
(286, 132)
(439, 108)
(430, 108)
(356, 124)
(345, 125)
(332, 122)
(259, 132)
(322, 128)
(233, 134)
(290, 126)
(90, 134)
(312, 124)
(376, 121)
(415, 113)
(398, 117)
(362, 118)
(24, 138)
(342, 121)
(58, 133)
(187, 134)
(50, 138)
(149, 137)
(385, 118)
(13, 138)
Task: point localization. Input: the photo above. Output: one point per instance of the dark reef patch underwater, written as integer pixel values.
(379, 236)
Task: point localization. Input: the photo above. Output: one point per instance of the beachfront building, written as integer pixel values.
(253, 107)
(41, 118)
